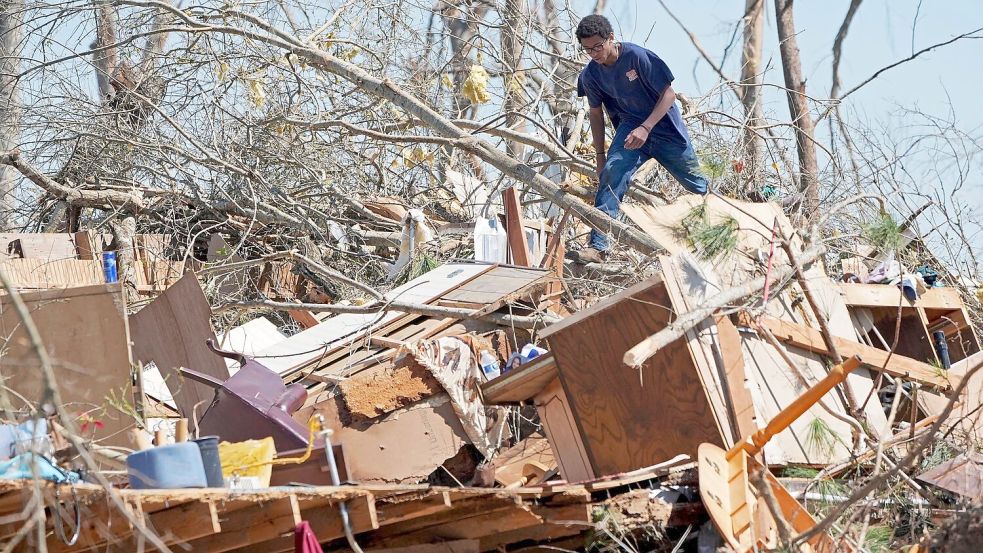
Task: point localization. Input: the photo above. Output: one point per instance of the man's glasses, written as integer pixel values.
(594, 49)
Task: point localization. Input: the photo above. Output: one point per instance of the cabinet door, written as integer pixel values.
(561, 430)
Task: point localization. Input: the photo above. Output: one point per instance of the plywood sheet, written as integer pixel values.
(85, 333)
(689, 284)
(171, 331)
(38, 245)
(41, 274)
(284, 357)
(628, 420)
(755, 222)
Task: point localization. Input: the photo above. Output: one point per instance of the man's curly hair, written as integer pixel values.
(594, 25)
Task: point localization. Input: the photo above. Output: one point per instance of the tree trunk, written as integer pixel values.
(754, 24)
(11, 34)
(106, 60)
(798, 107)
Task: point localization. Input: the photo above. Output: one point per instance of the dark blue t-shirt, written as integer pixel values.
(630, 88)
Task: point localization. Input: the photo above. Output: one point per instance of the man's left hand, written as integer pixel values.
(636, 138)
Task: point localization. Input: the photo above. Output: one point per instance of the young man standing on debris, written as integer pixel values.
(635, 87)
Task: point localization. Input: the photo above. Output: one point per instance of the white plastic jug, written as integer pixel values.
(490, 241)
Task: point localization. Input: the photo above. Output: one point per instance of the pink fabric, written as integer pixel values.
(304, 539)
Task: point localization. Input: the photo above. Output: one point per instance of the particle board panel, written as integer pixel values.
(914, 340)
(315, 342)
(86, 335)
(171, 332)
(755, 222)
(629, 420)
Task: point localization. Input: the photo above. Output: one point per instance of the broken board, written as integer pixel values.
(84, 331)
(171, 331)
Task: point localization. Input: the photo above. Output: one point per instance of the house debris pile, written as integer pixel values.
(475, 407)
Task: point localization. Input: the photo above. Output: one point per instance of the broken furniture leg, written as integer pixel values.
(725, 487)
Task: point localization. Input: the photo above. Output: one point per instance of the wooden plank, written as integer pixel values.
(42, 274)
(85, 333)
(741, 405)
(171, 331)
(877, 359)
(515, 228)
(630, 420)
(325, 521)
(882, 295)
(303, 318)
(254, 524)
(85, 245)
(557, 522)
(522, 383)
(177, 525)
(426, 504)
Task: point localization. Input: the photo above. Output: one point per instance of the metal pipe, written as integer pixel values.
(336, 481)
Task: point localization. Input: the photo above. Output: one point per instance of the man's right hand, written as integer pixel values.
(600, 161)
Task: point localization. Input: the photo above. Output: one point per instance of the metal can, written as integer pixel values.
(109, 266)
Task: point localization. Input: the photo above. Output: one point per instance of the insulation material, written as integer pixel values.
(375, 392)
(452, 363)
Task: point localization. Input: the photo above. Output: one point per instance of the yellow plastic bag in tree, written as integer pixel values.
(476, 85)
(248, 458)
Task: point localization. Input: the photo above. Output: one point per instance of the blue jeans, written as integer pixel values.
(679, 159)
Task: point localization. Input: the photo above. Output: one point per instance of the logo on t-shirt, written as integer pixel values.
(632, 75)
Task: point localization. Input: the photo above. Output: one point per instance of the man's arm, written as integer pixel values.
(597, 134)
(637, 137)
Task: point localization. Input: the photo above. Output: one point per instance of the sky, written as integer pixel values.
(882, 33)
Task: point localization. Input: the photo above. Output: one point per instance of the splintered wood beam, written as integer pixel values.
(812, 340)
(515, 228)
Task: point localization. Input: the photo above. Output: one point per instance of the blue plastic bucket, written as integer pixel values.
(211, 461)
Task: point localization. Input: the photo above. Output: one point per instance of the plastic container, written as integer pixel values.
(248, 458)
(109, 266)
(489, 365)
(490, 241)
(168, 467)
(210, 459)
